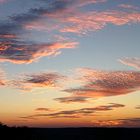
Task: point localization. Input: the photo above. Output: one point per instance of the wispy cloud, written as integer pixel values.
(137, 107)
(130, 122)
(127, 122)
(72, 99)
(71, 20)
(78, 112)
(42, 109)
(128, 6)
(134, 62)
(3, 81)
(81, 3)
(44, 79)
(3, 1)
(106, 83)
(95, 20)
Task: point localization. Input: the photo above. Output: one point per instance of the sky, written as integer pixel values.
(70, 63)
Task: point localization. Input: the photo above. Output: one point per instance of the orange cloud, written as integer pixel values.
(126, 122)
(2, 78)
(137, 107)
(106, 83)
(78, 112)
(107, 123)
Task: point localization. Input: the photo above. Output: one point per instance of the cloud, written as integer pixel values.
(137, 107)
(81, 3)
(130, 122)
(7, 36)
(3, 1)
(12, 49)
(22, 52)
(107, 123)
(126, 122)
(128, 6)
(98, 84)
(58, 11)
(79, 112)
(3, 81)
(27, 118)
(62, 16)
(133, 62)
(46, 79)
(69, 18)
(72, 99)
(72, 20)
(95, 20)
(42, 109)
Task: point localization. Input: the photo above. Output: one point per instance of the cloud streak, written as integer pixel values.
(72, 99)
(128, 6)
(127, 122)
(133, 62)
(130, 122)
(78, 112)
(2, 78)
(137, 107)
(42, 109)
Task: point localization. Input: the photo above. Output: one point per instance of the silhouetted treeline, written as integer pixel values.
(24, 133)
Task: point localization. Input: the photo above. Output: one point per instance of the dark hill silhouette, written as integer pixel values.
(25, 133)
(3, 125)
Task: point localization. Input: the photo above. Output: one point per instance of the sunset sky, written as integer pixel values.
(70, 63)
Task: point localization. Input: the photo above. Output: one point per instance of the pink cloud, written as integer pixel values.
(27, 53)
(92, 21)
(128, 6)
(133, 62)
(77, 22)
(2, 1)
(72, 19)
(81, 3)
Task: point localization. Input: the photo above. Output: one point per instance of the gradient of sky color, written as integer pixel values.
(70, 63)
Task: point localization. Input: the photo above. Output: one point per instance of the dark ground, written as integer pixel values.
(69, 133)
